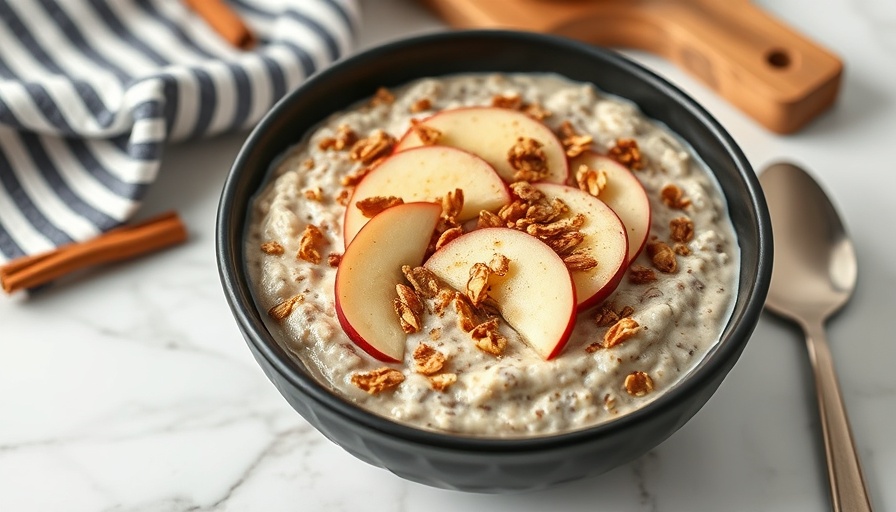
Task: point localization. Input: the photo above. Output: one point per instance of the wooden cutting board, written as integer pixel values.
(777, 76)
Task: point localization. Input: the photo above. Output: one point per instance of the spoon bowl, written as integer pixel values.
(815, 268)
(814, 275)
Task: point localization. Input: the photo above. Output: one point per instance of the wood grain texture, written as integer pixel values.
(774, 74)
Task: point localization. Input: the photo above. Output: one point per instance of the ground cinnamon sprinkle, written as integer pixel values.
(116, 245)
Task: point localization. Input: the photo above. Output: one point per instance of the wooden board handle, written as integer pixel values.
(777, 76)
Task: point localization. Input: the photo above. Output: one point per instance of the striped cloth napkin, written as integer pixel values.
(90, 90)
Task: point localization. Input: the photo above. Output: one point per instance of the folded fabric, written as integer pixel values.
(90, 90)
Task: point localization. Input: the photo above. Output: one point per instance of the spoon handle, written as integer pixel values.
(848, 490)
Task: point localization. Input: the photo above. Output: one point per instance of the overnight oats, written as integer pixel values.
(494, 255)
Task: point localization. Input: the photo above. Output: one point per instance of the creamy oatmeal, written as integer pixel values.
(666, 314)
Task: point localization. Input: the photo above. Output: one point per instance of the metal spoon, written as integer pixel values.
(814, 275)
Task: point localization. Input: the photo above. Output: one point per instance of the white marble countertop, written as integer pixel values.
(130, 388)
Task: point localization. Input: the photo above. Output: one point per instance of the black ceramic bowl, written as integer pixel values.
(488, 464)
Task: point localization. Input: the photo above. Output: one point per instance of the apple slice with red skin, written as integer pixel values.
(490, 132)
(371, 267)
(426, 174)
(625, 194)
(605, 241)
(536, 297)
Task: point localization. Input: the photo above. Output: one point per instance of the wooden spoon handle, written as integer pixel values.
(848, 489)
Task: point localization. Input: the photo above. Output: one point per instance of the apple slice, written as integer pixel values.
(625, 194)
(536, 297)
(426, 174)
(490, 132)
(370, 269)
(605, 241)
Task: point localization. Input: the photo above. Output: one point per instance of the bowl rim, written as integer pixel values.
(235, 283)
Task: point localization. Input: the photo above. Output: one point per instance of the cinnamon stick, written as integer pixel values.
(223, 20)
(118, 244)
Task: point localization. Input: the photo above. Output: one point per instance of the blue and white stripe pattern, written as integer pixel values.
(90, 90)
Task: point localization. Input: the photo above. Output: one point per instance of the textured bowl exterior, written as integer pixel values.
(489, 464)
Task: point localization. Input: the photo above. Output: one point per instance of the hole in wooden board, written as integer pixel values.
(778, 58)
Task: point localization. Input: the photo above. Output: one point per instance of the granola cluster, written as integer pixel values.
(528, 160)
(382, 96)
(344, 138)
(409, 309)
(638, 383)
(548, 220)
(574, 143)
(427, 134)
(593, 181)
(310, 244)
(514, 101)
(314, 194)
(430, 362)
(367, 153)
(673, 196)
(662, 256)
(273, 248)
(627, 153)
(372, 148)
(620, 325)
(283, 309)
(371, 206)
(421, 105)
(379, 380)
